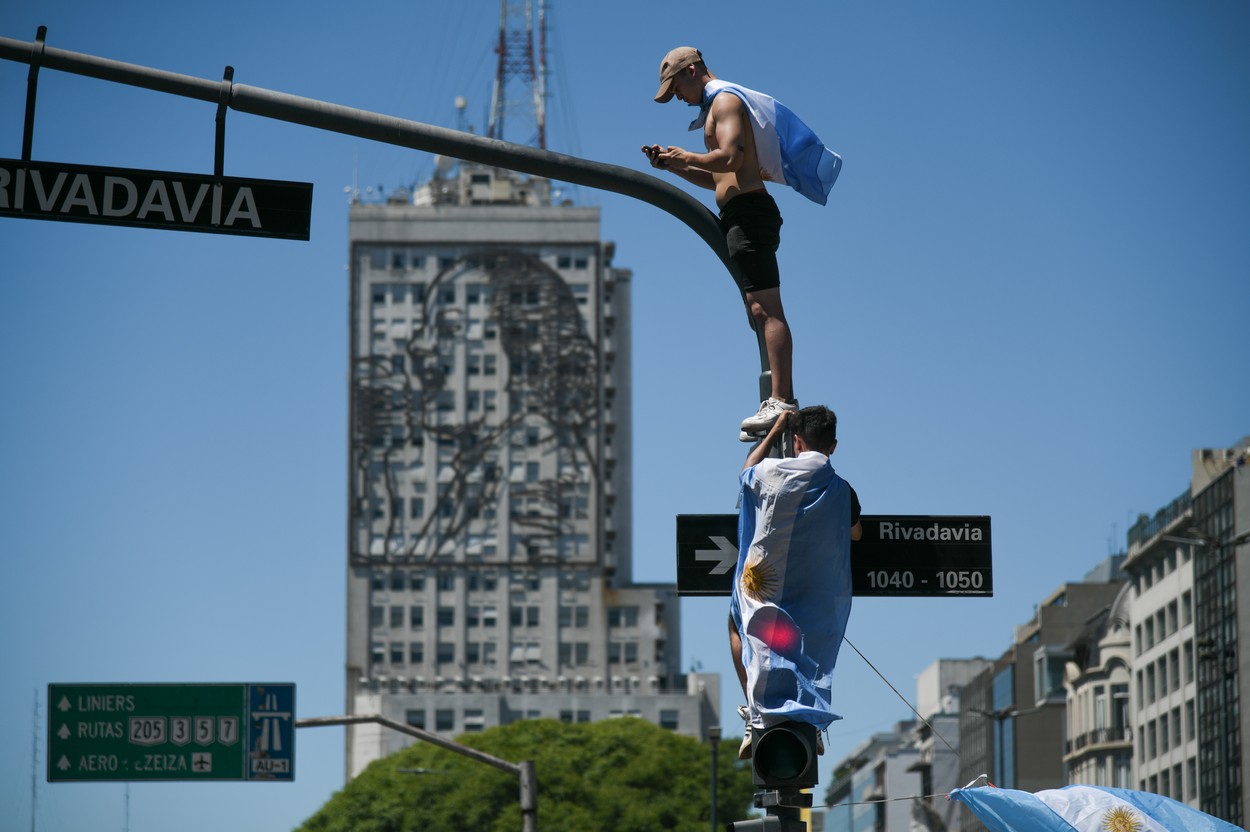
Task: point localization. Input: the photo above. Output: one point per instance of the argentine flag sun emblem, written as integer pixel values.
(759, 580)
(1121, 819)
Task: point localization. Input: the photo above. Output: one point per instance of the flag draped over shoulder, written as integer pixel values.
(792, 586)
(1085, 809)
(787, 148)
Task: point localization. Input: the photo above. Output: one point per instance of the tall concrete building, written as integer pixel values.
(489, 574)
(1189, 710)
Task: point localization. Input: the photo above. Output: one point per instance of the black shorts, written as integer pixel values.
(752, 226)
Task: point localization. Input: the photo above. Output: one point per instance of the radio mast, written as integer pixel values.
(520, 91)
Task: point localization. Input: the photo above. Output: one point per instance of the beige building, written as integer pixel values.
(489, 574)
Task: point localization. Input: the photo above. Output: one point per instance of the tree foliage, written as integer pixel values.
(620, 775)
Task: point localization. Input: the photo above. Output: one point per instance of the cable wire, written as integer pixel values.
(905, 702)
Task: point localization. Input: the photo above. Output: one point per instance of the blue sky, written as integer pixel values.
(1026, 298)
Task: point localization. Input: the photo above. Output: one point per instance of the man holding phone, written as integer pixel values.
(749, 137)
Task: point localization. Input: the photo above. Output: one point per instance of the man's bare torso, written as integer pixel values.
(729, 112)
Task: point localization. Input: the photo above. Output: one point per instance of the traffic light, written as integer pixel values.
(784, 756)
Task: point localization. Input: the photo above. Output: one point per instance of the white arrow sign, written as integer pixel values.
(64, 732)
(725, 553)
(62, 763)
(63, 705)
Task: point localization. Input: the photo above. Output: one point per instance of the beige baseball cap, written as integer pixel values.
(673, 63)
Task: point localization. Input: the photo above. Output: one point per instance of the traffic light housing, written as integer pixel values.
(784, 756)
(771, 823)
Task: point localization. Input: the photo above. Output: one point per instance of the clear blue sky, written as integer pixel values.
(1026, 298)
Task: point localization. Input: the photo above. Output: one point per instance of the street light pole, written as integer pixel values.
(713, 736)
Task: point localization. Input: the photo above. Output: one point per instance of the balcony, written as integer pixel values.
(1102, 736)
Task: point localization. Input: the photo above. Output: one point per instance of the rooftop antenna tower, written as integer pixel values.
(521, 77)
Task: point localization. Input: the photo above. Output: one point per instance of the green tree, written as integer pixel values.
(621, 775)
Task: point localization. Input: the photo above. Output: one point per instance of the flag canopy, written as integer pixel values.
(1085, 809)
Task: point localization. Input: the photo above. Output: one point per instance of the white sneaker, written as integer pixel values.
(743, 436)
(744, 750)
(769, 410)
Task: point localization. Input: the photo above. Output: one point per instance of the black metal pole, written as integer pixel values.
(713, 735)
(32, 88)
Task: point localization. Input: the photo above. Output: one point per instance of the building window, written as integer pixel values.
(446, 581)
(444, 719)
(397, 652)
(397, 581)
(377, 616)
(416, 617)
(446, 653)
(622, 616)
(670, 719)
(415, 718)
(446, 616)
(1048, 674)
(377, 653)
(416, 652)
(397, 617)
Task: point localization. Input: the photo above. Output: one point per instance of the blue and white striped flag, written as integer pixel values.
(1085, 809)
(787, 149)
(792, 586)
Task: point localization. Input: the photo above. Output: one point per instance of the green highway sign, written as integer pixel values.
(171, 732)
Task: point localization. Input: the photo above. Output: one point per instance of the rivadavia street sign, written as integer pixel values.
(898, 555)
(155, 199)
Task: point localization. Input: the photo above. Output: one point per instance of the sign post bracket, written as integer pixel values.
(32, 85)
(223, 103)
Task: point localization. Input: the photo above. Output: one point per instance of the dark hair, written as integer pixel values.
(817, 425)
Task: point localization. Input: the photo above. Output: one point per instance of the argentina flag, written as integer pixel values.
(1085, 809)
(792, 586)
(787, 149)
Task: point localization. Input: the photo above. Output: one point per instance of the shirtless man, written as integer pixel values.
(748, 214)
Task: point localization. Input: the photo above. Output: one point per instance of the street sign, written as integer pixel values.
(171, 732)
(155, 199)
(898, 555)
